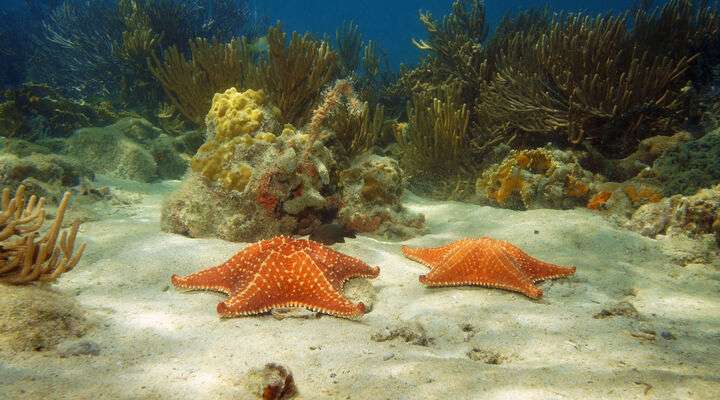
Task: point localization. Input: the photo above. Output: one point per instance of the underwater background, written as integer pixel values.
(456, 199)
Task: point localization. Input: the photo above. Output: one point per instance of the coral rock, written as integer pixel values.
(370, 196)
(679, 215)
(539, 178)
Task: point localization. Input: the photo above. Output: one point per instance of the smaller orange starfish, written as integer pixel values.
(485, 262)
(282, 272)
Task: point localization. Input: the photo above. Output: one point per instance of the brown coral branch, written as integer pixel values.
(23, 258)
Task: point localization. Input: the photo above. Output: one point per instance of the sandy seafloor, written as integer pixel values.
(159, 343)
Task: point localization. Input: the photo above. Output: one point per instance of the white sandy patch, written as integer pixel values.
(159, 343)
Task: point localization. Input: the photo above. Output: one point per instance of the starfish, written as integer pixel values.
(485, 262)
(282, 272)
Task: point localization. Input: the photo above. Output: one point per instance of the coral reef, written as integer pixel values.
(680, 215)
(598, 84)
(34, 111)
(253, 179)
(258, 179)
(539, 178)
(132, 148)
(37, 319)
(435, 138)
(613, 93)
(102, 47)
(370, 194)
(46, 175)
(690, 166)
(23, 257)
(235, 119)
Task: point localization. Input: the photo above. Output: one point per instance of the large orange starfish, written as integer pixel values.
(485, 262)
(282, 272)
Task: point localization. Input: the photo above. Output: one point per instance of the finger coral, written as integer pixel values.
(23, 257)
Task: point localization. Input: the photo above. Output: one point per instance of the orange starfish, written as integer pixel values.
(282, 272)
(485, 262)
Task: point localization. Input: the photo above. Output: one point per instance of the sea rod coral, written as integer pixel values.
(24, 258)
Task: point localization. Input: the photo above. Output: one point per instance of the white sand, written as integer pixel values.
(159, 343)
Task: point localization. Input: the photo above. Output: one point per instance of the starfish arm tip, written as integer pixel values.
(360, 308)
(535, 293)
(175, 279)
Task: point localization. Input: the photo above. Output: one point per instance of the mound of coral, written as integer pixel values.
(46, 175)
(35, 318)
(537, 178)
(254, 178)
(131, 148)
(34, 110)
(690, 166)
(370, 192)
(694, 215)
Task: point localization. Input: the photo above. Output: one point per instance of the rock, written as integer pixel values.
(412, 333)
(35, 318)
(621, 309)
(129, 149)
(690, 166)
(247, 183)
(667, 335)
(273, 382)
(689, 215)
(361, 290)
(293, 312)
(370, 192)
(46, 175)
(80, 347)
(486, 356)
(538, 178)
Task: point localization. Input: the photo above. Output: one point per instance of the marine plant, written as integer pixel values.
(213, 66)
(436, 136)
(294, 73)
(348, 45)
(25, 256)
(600, 83)
(587, 80)
(32, 111)
(101, 47)
(357, 132)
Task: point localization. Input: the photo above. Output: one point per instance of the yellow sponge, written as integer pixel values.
(235, 113)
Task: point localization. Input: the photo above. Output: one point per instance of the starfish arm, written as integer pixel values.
(482, 265)
(289, 281)
(208, 279)
(226, 277)
(432, 256)
(536, 269)
(338, 267)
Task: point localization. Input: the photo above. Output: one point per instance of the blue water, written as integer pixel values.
(390, 23)
(393, 23)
